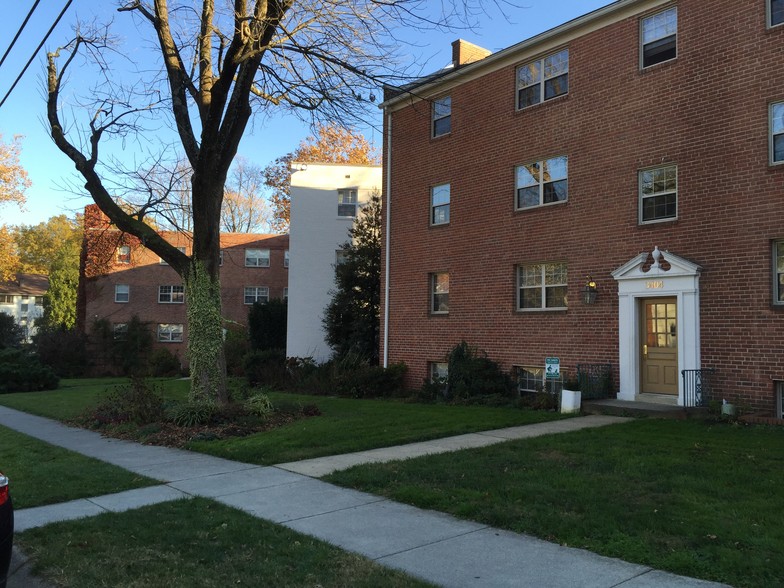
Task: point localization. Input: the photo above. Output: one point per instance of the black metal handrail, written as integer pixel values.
(595, 380)
(697, 386)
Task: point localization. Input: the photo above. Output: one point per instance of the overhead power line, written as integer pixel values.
(37, 49)
(19, 32)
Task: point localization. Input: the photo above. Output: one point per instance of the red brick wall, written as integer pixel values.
(706, 111)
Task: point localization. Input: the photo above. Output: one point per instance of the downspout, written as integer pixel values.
(387, 239)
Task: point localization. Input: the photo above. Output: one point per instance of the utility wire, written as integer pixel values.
(19, 32)
(37, 49)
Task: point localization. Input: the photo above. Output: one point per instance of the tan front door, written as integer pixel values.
(659, 346)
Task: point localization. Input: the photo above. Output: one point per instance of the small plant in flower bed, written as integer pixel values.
(138, 412)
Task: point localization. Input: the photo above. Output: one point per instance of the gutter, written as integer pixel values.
(387, 239)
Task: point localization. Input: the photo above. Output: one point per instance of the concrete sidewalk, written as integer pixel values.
(430, 545)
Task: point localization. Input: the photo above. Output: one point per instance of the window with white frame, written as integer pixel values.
(122, 293)
(220, 257)
(659, 34)
(542, 182)
(120, 331)
(442, 116)
(775, 12)
(542, 286)
(286, 258)
(439, 293)
(529, 379)
(285, 293)
(347, 202)
(659, 194)
(6, 298)
(171, 294)
(257, 258)
(170, 333)
(439, 204)
(780, 400)
(161, 260)
(543, 79)
(439, 372)
(256, 294)
(778, 272)
(777, 132)
(124, 254)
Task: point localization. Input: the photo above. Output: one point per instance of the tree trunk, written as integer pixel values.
(205, 336)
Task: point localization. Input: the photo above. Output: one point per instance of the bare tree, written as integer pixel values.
(220, 60)
(245, 210)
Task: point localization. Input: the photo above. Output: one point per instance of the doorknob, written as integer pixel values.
(645, 351)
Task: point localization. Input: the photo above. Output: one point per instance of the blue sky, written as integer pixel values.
(49, 170)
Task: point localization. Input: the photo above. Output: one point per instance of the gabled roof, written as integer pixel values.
(26, 285)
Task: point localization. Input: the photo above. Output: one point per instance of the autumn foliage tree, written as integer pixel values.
(331, 143)
(13, 178)
(219, 61)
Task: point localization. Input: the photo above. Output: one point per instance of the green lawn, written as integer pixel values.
(190, 543)
(693, 498)
(345, 425)
(44, 474)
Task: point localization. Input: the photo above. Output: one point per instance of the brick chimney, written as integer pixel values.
(464, 53)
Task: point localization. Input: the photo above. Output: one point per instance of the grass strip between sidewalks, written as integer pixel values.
(41, 473)
(195, 542)
(693, 498)
(344, 426)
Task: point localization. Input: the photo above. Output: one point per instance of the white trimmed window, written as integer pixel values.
(124, 254)
(529, 379)
(169, 333)
(285, 293)
(777, 132)
(778, 272)
(162, 262)
(659, 194)
(122, 293)
(120, 331)
(780, 400)
(256, 294)
(439, 204)
(171, 294)
(542, 286)
(439, 371)
(775, 12)
(658, 34)
(257, 257)
(347, 202)
(6, 298)
(220, 257)
(442, 116)
(39, 300)
(439, 293)
(543, 79)
(542, 182)
(286, 258)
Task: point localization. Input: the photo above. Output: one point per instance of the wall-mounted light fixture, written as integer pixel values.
(590, 291)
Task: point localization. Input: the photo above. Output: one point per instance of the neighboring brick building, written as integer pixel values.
(121, 278)
(644, 126)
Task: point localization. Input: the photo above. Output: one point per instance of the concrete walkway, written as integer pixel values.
(436, 547)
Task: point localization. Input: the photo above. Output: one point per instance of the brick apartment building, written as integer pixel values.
(640, 148)
(120, 278)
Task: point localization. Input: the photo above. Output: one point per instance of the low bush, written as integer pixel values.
(266, 368)
(371, 381)
(139, 402)
(63, 350)
(22, 372)
(191, 414)
(260, 405)
(163, 364)
(471, 373)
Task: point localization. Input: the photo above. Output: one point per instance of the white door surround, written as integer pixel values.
(681, 281)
